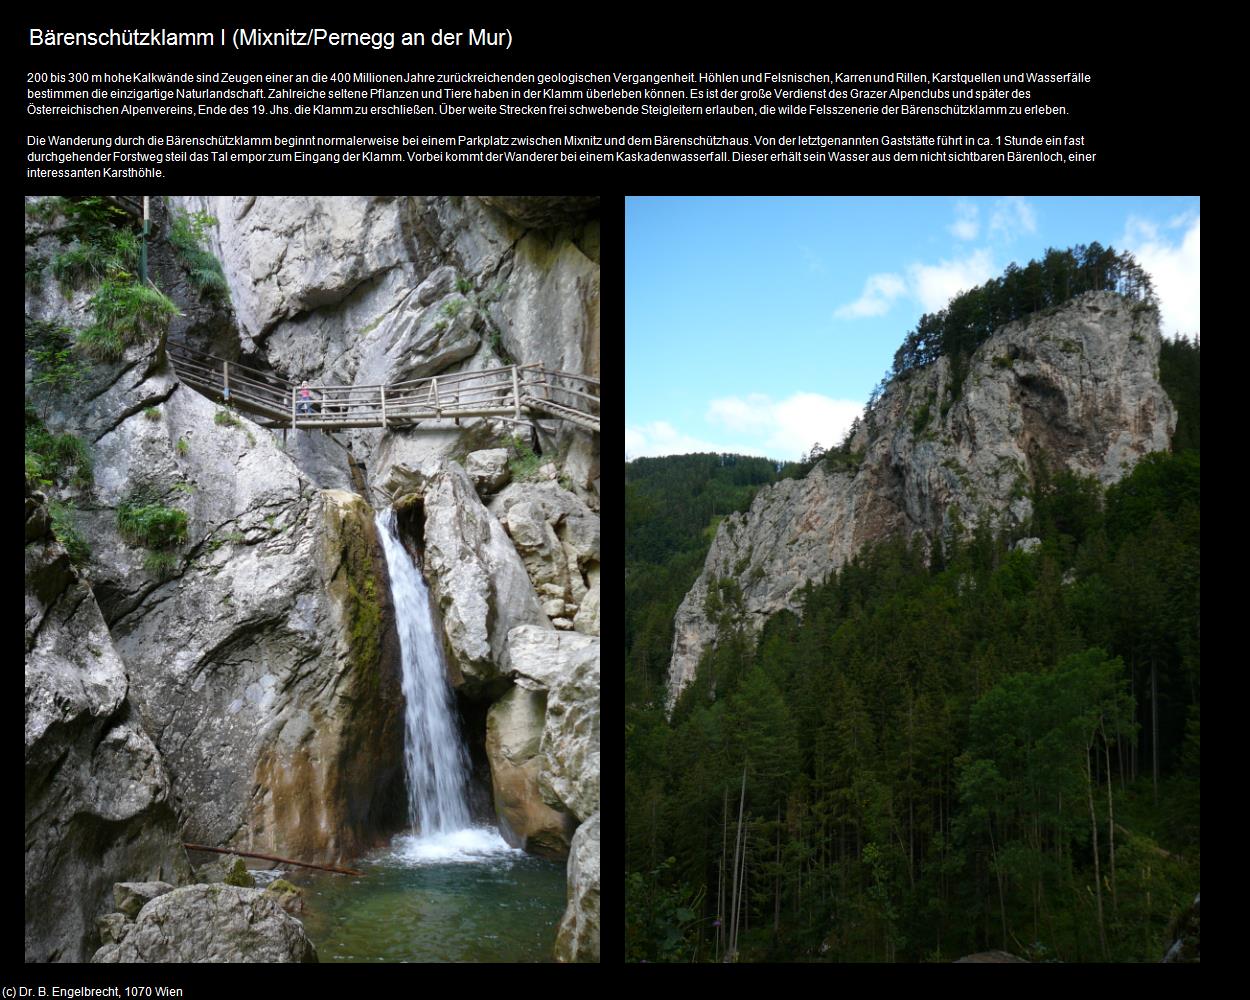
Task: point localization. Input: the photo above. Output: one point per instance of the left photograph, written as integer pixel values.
(312, 569)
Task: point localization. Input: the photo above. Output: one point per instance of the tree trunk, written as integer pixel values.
(777, 884)
(1154, 726)
(1093, 826)
(1115, 903)
(720, 876)
(998, 877)
(733, 922)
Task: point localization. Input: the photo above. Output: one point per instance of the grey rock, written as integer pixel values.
(1026, 545)
(98, 801)
(131, 897)
(212, 923)
(569, 777)
(577, 937)
(112, 927)
(1081, 386)
(556, 534)
(514, 729)
(488, 469)
(539, 658)
(587, 617)
(475, 575)
(543, 212)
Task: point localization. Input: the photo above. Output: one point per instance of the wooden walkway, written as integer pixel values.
(514, 393)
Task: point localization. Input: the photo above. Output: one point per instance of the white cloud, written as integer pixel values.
(786, 428)
(966, 225)
(1173, 267)
(936, 284)
(1011, 217)
(662, 438)
(880, 291)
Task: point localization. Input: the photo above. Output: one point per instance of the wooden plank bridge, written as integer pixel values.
(514, 393)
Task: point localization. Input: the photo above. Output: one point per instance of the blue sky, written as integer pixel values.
(760, 325)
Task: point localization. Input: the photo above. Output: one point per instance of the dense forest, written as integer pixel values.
(987, 746)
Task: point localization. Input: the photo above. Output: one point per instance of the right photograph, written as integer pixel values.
(912, 501)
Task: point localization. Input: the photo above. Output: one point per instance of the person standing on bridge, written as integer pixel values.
(305, 399)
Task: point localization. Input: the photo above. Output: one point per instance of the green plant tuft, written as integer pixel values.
(453, 308)
(142, 520)
(161, 565)
(55, 459)
(182, 446)
(67, 533)
(225, 418)
(188, 235)
(525, 463)
(152, 413)
(51, 350)
(464, 285)
(131, 311)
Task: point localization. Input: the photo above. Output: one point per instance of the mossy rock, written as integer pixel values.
(240, 876)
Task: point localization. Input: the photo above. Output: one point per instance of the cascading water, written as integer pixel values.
(450, 892)
(434, 753)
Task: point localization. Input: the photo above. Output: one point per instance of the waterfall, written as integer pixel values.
(434, 753)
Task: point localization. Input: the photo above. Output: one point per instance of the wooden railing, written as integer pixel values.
(514, 392)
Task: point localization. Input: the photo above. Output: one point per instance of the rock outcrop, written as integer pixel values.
(557, 536)
(542, 738)
(98, 802)
(514, 731)
(1076, 386)
(209, 923)
(577, 938)
(477, 578)
(254, 648)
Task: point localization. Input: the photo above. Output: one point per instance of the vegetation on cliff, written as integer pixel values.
(987, 746)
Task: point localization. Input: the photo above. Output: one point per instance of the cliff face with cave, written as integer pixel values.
(1078, 383)
(254, 648)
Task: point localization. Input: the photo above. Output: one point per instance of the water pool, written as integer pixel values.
(460, 897)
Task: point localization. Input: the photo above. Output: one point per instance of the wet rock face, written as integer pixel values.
(476, 577)
(1078, 386)
(514, 729)
(577, 937)
(210, 923)
(98, 802)
(255, 655)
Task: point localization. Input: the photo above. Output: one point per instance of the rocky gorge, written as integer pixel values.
(211, 647)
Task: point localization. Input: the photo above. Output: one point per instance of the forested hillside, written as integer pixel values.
(992, 743)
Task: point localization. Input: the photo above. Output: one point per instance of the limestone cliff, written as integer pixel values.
(1076, 385)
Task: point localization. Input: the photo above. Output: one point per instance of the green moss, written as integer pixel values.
(238, 875)
(361, 601)
(281, 885)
